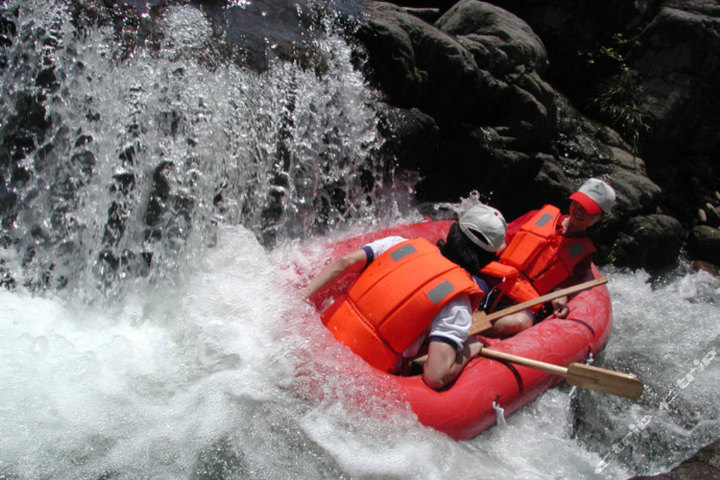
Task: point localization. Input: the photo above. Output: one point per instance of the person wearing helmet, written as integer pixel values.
(547, 252)
(411, 293)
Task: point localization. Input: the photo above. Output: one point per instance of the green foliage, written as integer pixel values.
(607, 56)
(607, 257)
(620, 103)
(618, 98)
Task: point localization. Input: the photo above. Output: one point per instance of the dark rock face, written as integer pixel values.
(525, 100)
(676, 55)
(704, 242)
(705, 464)
(648, 240)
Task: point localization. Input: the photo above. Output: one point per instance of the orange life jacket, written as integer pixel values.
(538, 258)
(394, 301)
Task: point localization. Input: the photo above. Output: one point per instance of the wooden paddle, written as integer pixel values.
(579, 375)
(482, 321)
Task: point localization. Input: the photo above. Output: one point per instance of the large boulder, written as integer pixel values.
(489, 70)
(647, 241)
(418, 65)
(506, 48)
(578, 35)
(704, 243)
(501, 41)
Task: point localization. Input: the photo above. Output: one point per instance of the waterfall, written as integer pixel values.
(126, 161)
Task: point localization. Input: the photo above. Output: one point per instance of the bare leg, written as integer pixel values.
(509, 325)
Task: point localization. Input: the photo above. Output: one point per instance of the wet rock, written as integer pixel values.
(503, 42)
(712, 215)
(412, 136)
(513, 129)
(675, 55)
(647, 241)
(429, 15)
(705, 464)
(704, 243)
(636, 193)
(706, 266)
(418, 65)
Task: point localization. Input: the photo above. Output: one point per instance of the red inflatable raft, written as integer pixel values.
(466, 407)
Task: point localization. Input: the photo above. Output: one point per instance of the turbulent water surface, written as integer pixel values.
(152, 199)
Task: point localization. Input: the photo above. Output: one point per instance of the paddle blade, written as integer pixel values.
(602, 380)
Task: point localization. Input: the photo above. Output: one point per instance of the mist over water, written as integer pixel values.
(149, 327)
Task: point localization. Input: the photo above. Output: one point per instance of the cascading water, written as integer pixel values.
(138, 158)
(151, 197)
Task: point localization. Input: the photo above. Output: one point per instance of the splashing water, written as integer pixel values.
(148, 330)
(216, 378)
(142, 158)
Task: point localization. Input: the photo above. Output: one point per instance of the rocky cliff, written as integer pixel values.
(523, 100)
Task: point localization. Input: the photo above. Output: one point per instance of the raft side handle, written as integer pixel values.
(499, 412)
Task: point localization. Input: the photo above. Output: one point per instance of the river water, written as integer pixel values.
(148, 328)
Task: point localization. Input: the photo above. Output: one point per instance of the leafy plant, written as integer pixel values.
(620, 103)
(617, 97)
(607, 56)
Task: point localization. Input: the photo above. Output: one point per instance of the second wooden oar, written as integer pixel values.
(580, 375)
(482, 321)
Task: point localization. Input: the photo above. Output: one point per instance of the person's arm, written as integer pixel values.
(444, 363)
(352, 262)
(580, 274)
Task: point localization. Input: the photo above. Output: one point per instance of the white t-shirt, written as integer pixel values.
(452, 322)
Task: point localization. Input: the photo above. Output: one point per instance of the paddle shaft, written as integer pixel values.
(482, 321)
(576, 374)
(579, 375)
(545, 367)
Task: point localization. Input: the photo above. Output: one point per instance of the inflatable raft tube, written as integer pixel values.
(465, 408)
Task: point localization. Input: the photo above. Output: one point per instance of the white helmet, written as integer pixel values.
(484, 226)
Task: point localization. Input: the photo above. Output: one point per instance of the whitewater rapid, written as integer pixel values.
(231, 372)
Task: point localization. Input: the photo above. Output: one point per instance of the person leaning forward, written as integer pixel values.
(549, 251)
(411, 292)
